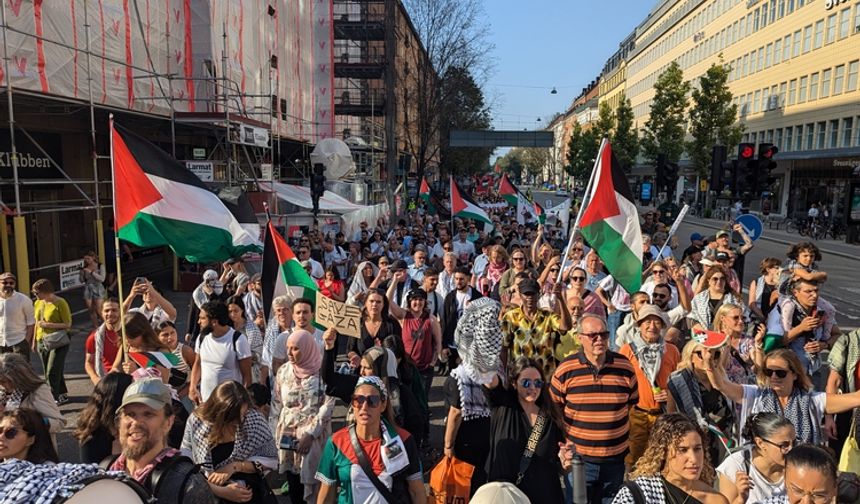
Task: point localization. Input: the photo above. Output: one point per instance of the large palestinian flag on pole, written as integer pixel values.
(464, 207)
(158, 202)
(610, 222)
(283, 273)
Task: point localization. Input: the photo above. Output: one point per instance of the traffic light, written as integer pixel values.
(317, 186)
(661, 172)
(671, 175)
(718, 159)
(746, 175)
(766, 165)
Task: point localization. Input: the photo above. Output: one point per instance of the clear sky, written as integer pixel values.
(546, 43)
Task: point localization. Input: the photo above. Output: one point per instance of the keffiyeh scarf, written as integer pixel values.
(478, 337)
(11, 400)
(253, 439)
(800, 411)
(101, 336)
(473, 403)
(27, 483)
(649, 355)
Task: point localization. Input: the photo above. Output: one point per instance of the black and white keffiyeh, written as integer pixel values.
(649, 355)
(473, 403)
(11, 399)
(652, 489)
(479, 339)
(800, 410)
(23, 482)
(253, 439)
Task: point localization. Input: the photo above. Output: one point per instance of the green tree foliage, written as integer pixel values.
(581, 151)
(664, 130)
(712, 117)
(463, 109)
(605, 121)
(625, 143)
(534, 160)
(512, 164)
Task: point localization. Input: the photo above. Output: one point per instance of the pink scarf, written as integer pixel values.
(310, 358)
(494, 273)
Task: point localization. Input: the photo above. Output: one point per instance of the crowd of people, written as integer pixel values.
(553, 376)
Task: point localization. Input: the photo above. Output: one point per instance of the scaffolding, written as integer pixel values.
(197, 91)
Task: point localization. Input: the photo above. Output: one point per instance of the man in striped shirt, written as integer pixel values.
(596, 388)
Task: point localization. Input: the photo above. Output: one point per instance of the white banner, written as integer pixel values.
(203, 169)
(561, 213)
(70, 274)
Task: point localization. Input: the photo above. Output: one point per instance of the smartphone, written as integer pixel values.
(288, 442)
(140, 280)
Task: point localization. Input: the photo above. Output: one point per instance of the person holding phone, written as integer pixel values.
(808, 324)
(156, 308)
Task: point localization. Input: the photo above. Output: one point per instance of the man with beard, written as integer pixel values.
(254, 299)
(419, 265)
(17, 321)
(303, 316)
(222, 353)
(103, 344)
(143, 419)
(653, 360)
(210, 290)
(807, 323)
(455, 302)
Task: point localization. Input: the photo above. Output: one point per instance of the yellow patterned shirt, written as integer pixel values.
(535, 339)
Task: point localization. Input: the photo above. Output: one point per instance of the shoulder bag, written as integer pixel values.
(531, 445)
(56, 339)
(368, 470)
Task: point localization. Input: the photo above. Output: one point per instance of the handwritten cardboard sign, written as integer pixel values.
(342, 317)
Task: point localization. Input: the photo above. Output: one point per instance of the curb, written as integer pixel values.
(837, 253)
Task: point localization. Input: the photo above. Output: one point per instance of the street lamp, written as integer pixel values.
(554, 91)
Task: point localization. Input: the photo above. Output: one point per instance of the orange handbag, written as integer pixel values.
(451, 481)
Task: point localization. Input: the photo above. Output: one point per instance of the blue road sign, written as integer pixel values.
(752, 225)
(646, 191)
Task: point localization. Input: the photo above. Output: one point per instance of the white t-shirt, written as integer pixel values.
(762, 489)
(466, 248)
(752, 396)
(279, 351)
(16, 313)
(648, 288)
(219, 362)
(155, 317)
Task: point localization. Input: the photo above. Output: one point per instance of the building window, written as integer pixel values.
(765, 95)
(746, 65)
(781, 9)
(777, 51)
(801, 95)
(795, 51)
(825, 83)
(782, 95)
(768, 137)
(822, 135)
(810, 136)
(764, 14)
(852, 75)
(838, 80)
(777, 140)
(768, 55)
(798, 141)
(831, 28)
(773, 11)
(845, 22)
(786, 48)
(792, 90)
(847, 128)
(807, 39)
(790, 6)
(756, 101)
(857, 20)
(755, 20)
(788, 138)
(760, 63)
(834, 133)
(819, 34)
(813, 87)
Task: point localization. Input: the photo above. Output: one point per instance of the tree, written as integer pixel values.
(534, 160)
(581, 151)
(712, 117)
(625, 143)
(664, 130)
(464, 109)
(512, 164)
(452, 34)
(605, 121)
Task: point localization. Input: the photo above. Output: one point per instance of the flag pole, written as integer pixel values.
(582, 206)
(117, 250)
(673, 230)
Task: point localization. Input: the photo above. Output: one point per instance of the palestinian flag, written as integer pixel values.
(158, 202)
(539, 213)
(424, 193)
(610, 222)
(151, 359)
(283, 273)
(434, 202)
(464, 207)
(508, 191)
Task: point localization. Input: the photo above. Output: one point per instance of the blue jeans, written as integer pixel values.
(603, 481)
(613, 322)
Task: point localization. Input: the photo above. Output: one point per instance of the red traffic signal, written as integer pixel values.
(746, 151)
(767, 151)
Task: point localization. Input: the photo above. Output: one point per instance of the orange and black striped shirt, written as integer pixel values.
(596, 404)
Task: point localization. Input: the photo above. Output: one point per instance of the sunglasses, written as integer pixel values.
(595, 335)
(718, 279)
(576, 278)
(528, 383)
(554, 270)
(519, 258)
(658, 271)
(783, 447)
(780, 373)
(659, 296)
(8, 282)
(373, 401)
(11, 433)
(701, 355)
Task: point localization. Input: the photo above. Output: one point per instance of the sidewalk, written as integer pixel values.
(828, 246)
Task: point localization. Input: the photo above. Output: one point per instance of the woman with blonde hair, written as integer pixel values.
(497, 266)
(674, 468)
(706, 303)
(743, 353)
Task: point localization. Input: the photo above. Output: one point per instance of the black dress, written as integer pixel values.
(509, 434)
(97, 447)
(472, 443)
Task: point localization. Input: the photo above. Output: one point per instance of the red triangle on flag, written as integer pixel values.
(603, 203)
(133, 189)
(458, 204)
(283, 251)
(424, 189)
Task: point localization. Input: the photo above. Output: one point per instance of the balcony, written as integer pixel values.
(351, 102)
(349, 65)
(357, 25)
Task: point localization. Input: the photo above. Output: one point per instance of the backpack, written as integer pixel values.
(152, 484)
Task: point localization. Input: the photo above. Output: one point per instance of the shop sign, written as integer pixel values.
(70, 274)
(32, 162)
(830, 4)
(203, 169)
(198, 153)
(251, 135)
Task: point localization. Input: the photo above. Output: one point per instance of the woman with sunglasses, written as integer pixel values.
(518, 412)
(706, 303)
(787, 392)
(232, 442)
(304, 422)
(691, 393)
(389, 463)
(24, 436)
(744, 353)
(591, 302)
(756, 473)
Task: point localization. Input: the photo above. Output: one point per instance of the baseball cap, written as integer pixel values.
(707, 261)
(696, 237)
(149, 391)
(499, 492)
(398, 265)
(528, 287)
(7, 275)
(210, 275)
(652, 311)
(692, 249)
(416, 294)
(721, 256)
(722, 233)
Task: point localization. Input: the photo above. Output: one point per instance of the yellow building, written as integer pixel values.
(794, 76)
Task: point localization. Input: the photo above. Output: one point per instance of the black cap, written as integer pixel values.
(528, 287)
(721, 256)
(416, 294)
(692, 249)
(397, 265)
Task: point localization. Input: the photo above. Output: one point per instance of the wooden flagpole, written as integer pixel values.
(117, 250)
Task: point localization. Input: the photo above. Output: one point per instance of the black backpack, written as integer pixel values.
(152, 484)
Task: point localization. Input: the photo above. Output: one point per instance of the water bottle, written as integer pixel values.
(577, 480)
